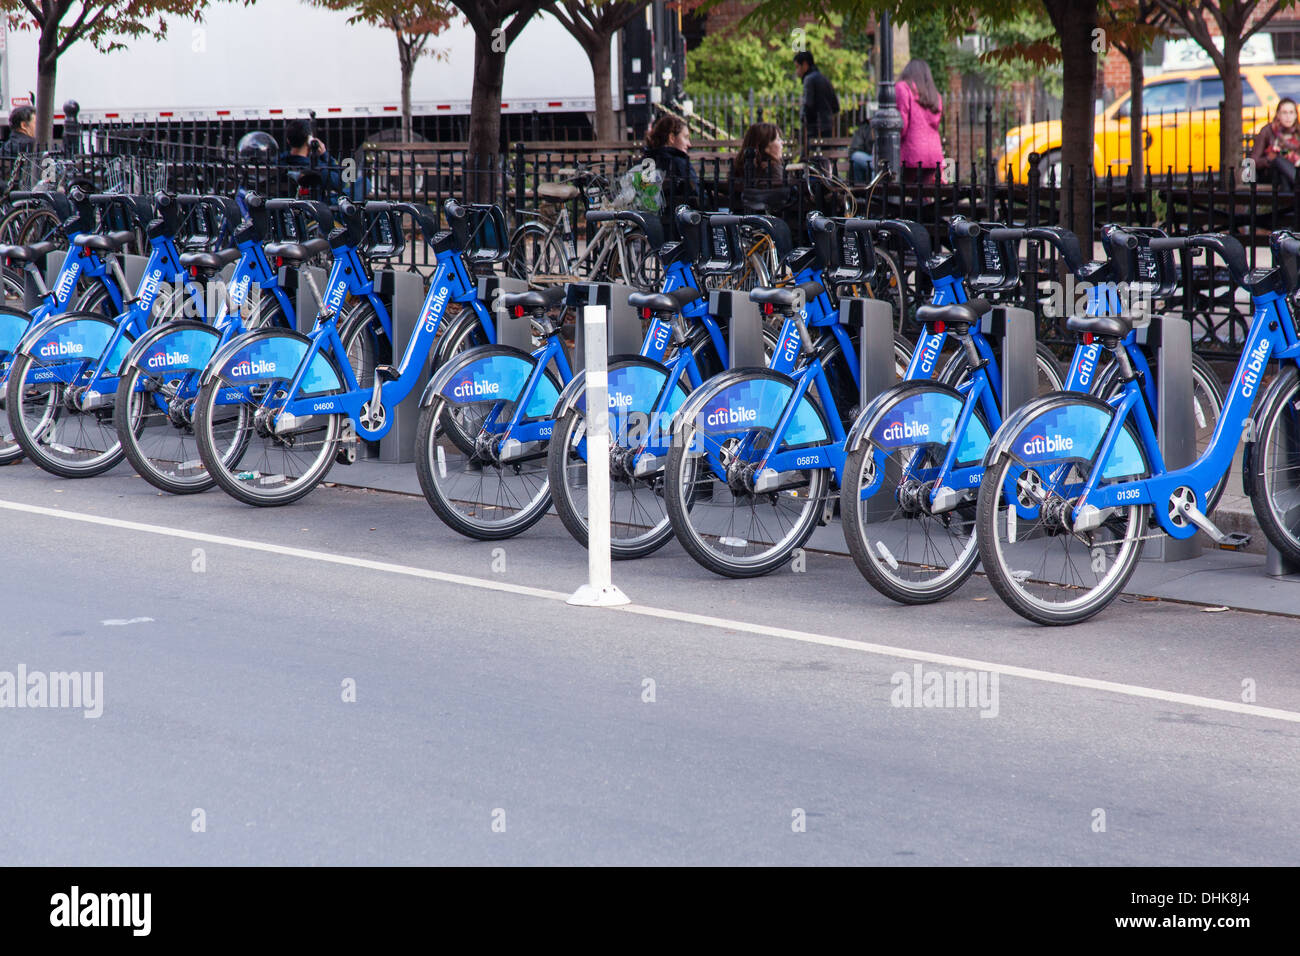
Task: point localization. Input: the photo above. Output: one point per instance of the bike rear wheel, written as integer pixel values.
(475, 493)
(905, 551)
(724, 524)
(1043, 571)
(52, 428)
(1275, 468)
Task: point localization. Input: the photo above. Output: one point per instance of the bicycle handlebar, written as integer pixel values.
(965, 229)
(1289, 245)
(1066, 242)
(1228, 248)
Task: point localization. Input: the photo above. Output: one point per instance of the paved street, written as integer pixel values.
(492, 723)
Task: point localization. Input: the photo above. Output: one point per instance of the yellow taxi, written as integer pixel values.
(1180, 118)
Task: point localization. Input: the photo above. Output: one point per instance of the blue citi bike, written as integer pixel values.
(1074, 485)
(63, 379)
(154, 409)
(914, 468)
(276, 408)
(85, 281)
(684, 347)
(766, 446)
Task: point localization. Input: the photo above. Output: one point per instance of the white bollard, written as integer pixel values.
(599, 591)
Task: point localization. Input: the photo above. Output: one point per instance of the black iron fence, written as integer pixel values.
(532, 184)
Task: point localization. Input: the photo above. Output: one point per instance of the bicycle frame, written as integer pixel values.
(43, 338)
(451, 282)
(1271, 336)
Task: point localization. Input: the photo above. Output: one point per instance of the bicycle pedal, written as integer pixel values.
(387, 372)
(1235, 541)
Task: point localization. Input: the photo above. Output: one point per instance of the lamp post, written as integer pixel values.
(887, 123)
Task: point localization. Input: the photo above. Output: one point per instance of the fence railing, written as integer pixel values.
(1179, 203)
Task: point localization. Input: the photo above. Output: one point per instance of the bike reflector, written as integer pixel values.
(768, 308)
(1087, 338)
(645, 313)
(519, 312)
(938, 327)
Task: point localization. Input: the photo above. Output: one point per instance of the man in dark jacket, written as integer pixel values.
(306, 151)
(22, 132)
(820, 104)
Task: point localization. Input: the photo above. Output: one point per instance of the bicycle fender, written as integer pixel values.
(78, 336)
(276, 352)
(908, 412)
(750, 398)
(491, 373)
(1282, 380)
(634, 386)
(1059, 422)
(183, 344)
(14, 324)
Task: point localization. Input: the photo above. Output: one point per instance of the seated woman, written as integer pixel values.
(668, 143)
(1277, 146)
(757, 174)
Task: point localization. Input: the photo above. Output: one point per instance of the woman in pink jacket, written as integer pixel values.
(922, 106)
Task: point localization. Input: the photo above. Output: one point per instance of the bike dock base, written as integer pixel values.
(733, 311)
(623, 332)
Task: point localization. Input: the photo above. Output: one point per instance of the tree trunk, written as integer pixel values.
(1136, 126)
(47, 63)
(485, 114)
(606, 128)
(1230, 115)
(1075, 21)
(408, 70)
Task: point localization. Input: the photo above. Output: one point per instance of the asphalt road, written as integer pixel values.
(492, 723)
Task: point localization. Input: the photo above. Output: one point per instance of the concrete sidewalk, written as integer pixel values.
(1215, 578)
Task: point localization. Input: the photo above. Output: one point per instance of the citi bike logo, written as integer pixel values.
(930, 352)
(239, 290)
(433, 311)
(167, 359)
(1254, 368)
(335, 298)
(731, 416)
(1087, 364)
(900, 430)
(254, 367)
(1047, 444)
(67, 282)
(150, 287)
(790, 347)
(55, 349)
(473, 389)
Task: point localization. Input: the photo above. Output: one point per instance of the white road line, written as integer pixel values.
(684, 617)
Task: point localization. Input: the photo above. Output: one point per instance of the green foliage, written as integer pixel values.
(738, 61)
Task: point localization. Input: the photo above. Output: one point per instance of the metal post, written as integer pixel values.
(1177, 429)
(887, 123)
(1019, 356)
(744, 324)
(599, 591)
(876, 369)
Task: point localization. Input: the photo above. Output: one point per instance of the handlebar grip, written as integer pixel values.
(965, 229)
(26, 194)
(862, 225)
(601, 215)
(724, 219)
(1289, 245)
(1007, 234)
(1167, 243)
